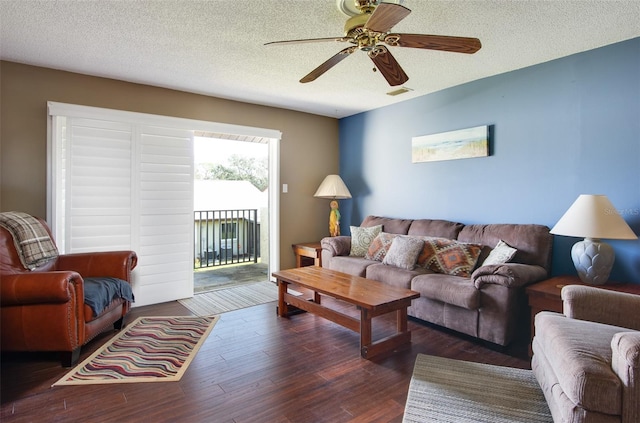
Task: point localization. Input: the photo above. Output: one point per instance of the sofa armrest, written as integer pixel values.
(40, 288)
(510, 275)
(601, 305)
(116, 264)
(625, 362)
(336, 245)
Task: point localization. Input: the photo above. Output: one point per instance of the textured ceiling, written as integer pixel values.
(215, 47)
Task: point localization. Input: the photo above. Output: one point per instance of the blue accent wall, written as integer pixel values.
(559, 129)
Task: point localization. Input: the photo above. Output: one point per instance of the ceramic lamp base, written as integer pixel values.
(593, 260)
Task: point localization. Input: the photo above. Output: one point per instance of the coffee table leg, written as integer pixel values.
(401, 315)
(282, 305)
(402, 337)
(365, 332)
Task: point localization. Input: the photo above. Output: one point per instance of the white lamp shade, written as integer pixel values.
(593, 216)
(333, 187)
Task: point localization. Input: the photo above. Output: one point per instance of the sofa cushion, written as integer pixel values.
(361, 238)
(389, 225)
(448, 289)
(579, 352)
(380, 246)
(404, 252)
(393, 276)
(347, 264)
(533, 242)
(449, 256)
(501, 254)
(435, 228)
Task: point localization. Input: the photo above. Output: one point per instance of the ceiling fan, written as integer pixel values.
(369, 31)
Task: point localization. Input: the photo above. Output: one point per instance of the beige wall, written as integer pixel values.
(308, 150)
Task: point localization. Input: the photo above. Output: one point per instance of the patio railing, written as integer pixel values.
(225, 237)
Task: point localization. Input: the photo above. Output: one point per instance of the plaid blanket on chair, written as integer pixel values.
(33, 243)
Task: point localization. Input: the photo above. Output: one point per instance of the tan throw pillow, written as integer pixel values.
(380, 246)
(361, 238)
(404, 252)
(501, 254)
(449, 256)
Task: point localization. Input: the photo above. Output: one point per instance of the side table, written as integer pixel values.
(308, 254)
(545, 295)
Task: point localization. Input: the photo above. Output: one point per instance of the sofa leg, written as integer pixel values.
(119, 324)
(70, 358)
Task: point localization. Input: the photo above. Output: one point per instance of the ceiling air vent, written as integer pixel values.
(399, 91)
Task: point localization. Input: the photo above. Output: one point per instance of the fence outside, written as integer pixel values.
(225, 237)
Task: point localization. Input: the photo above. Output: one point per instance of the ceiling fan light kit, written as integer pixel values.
(353, 7)
(369, 29)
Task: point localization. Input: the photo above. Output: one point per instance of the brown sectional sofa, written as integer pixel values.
(490, 304)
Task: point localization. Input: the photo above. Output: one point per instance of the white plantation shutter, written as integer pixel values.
(118, 184)
(123, 180)
(98, 186)
(165, 174)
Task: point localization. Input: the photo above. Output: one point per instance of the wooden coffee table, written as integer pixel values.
(372, 298)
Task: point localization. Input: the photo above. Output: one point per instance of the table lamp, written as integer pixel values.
(593, 217)
(333, 188)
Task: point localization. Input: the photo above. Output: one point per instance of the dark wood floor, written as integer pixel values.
(254, 367)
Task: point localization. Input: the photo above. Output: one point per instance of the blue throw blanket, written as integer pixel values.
(99, 292)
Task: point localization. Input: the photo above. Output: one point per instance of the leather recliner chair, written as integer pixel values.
(44, 309)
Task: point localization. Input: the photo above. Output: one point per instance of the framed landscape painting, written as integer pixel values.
(461, 144)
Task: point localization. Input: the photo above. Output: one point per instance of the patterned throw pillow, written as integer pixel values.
(501, 254)
(380, 246)
(404, 252)
(361, 238)
(449, 256)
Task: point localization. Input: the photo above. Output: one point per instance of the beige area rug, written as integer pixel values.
(454, 391)
(228, 299)
(150, 349)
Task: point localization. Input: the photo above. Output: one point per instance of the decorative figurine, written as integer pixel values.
(334, 219)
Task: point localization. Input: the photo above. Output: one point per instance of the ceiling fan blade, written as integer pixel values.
(388, 66)
(334, 60)
(385, 16)
(310, 40)
(434, 42)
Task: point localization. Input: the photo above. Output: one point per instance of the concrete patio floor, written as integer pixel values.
(207, 279)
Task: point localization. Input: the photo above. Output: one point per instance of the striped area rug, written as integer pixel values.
(453, 391)
(150, 349)
(228, 299)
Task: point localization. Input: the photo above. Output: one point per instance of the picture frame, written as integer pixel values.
(452, 145)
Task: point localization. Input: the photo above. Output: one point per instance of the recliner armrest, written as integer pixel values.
(510, 275)
(601, 305)
(40, 288)
(625, 362)
(116, 264)
(337, 245)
